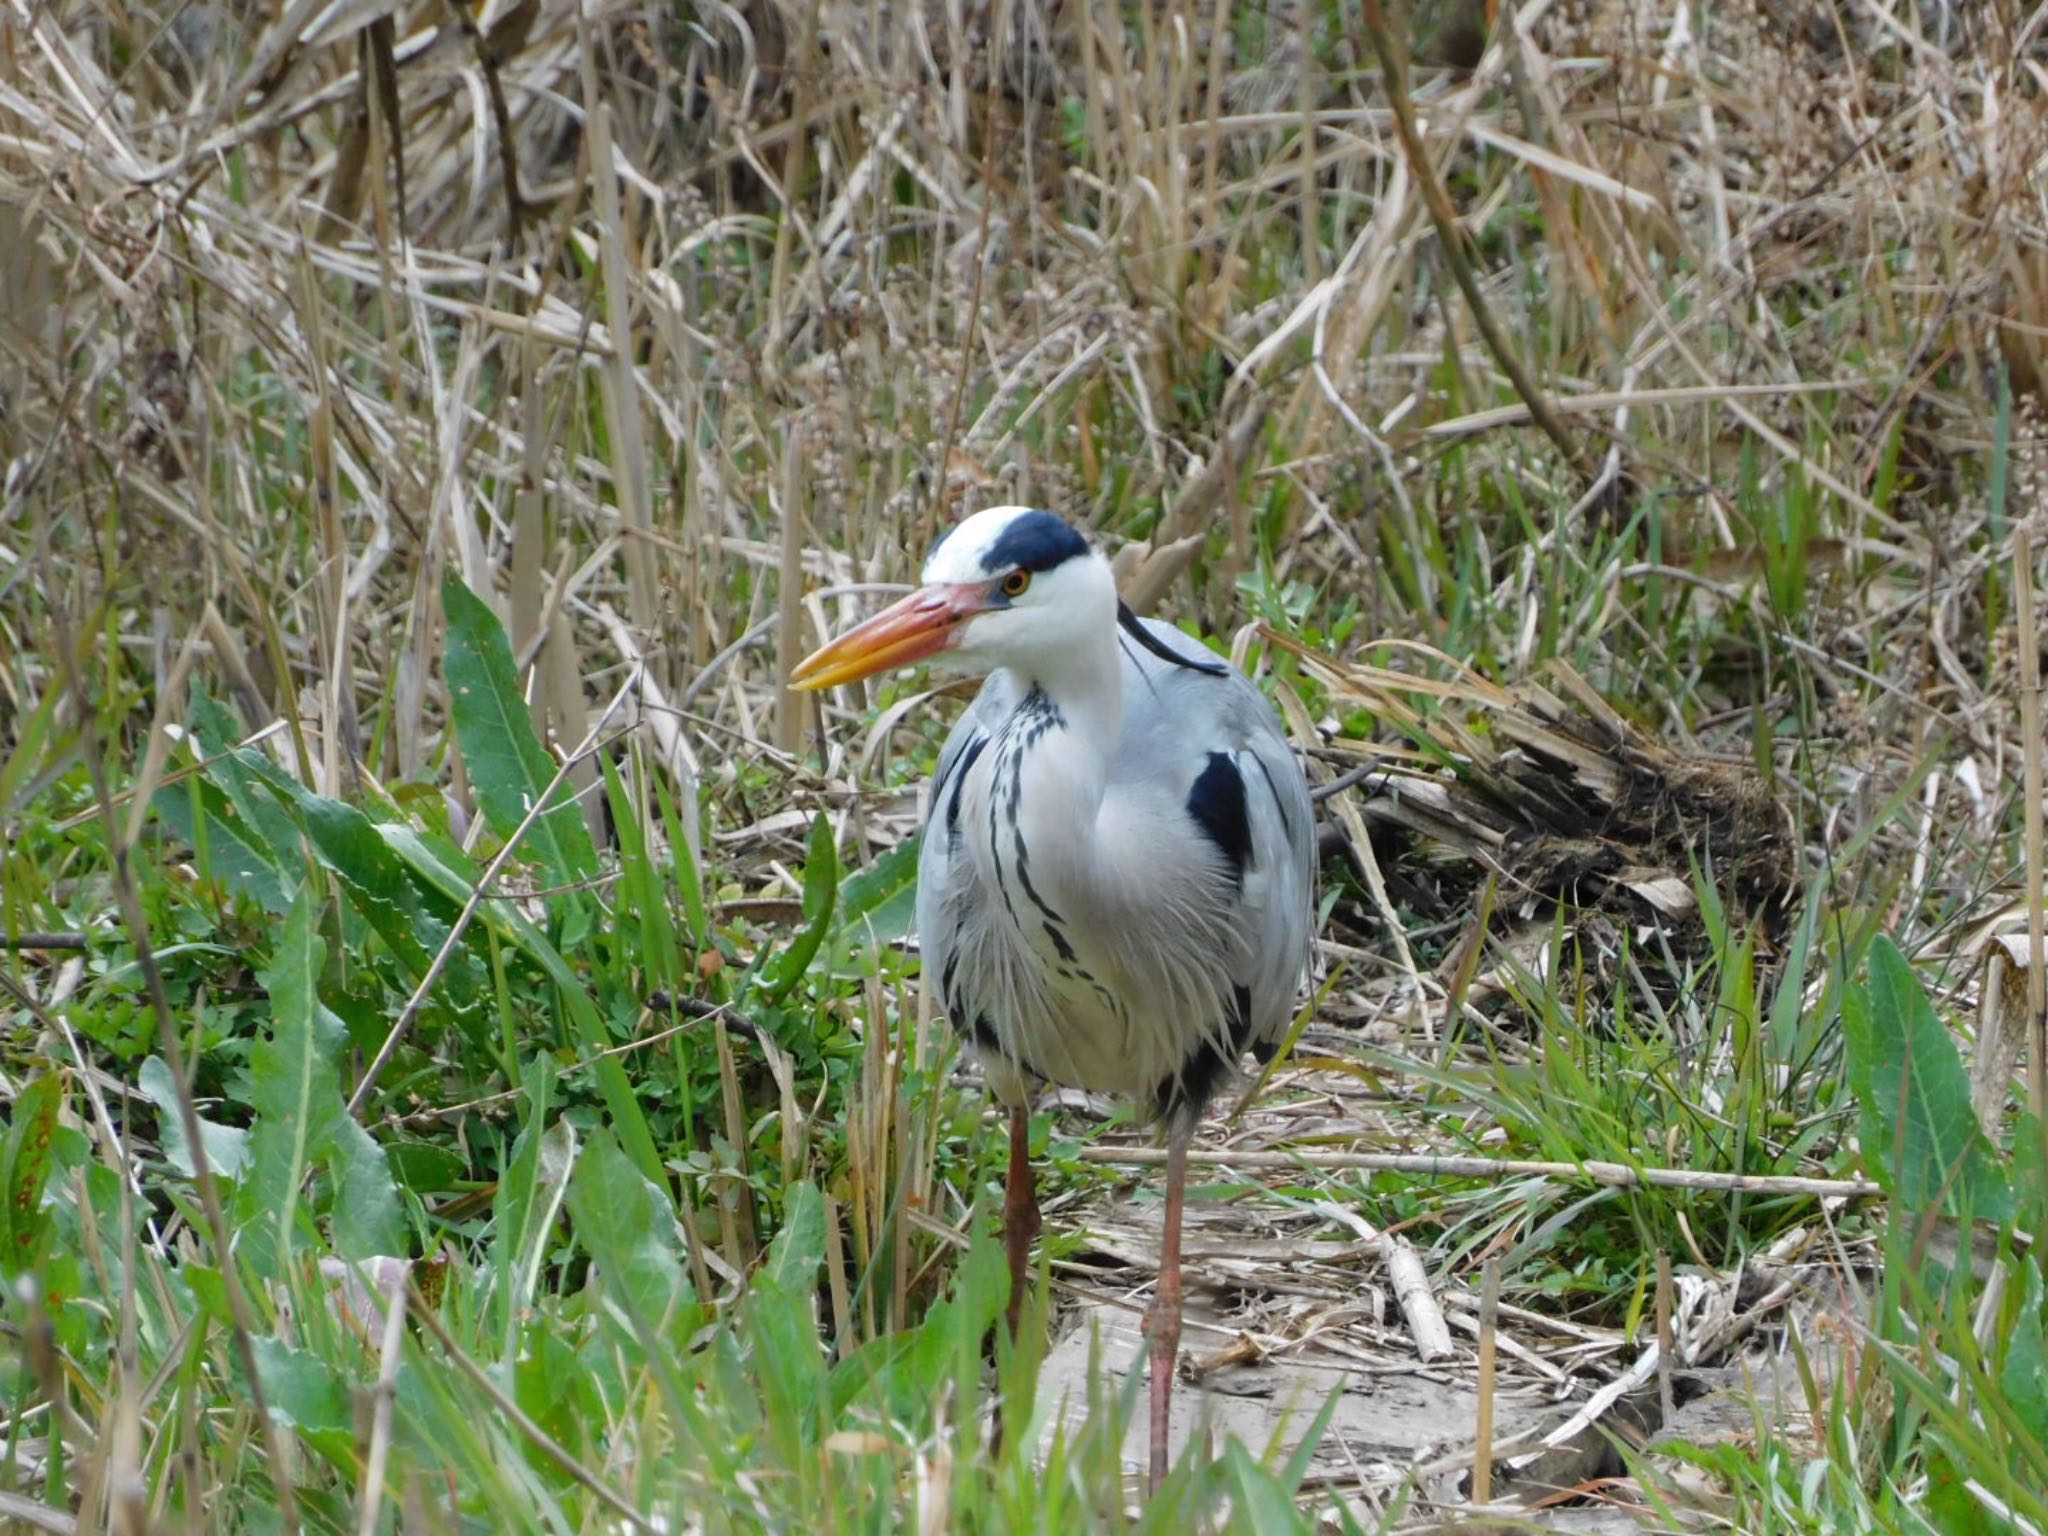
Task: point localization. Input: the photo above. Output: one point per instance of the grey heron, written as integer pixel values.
(1117, 878)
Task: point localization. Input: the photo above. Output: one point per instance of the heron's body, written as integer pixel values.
(1117, 877)
(1114, 889)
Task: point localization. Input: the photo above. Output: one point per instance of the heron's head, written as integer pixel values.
(1009, 587)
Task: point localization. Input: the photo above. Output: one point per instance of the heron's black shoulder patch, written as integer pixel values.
(1216, 802)
(1034, 541)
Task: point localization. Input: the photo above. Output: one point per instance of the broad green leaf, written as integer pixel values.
(779, 1321)
(1261, 1502)
(628, 1226)
(24, 1168)
(798, 1252)
(876, 907)
(2024, 1377)
(1919, 1132)
(507, 763)
(305, 1393)
(821, 889)
(1955, 1510)
(227, 1146)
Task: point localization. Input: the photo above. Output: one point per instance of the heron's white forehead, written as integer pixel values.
(1003, 539)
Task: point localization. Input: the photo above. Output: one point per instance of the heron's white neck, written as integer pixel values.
(1066, 732)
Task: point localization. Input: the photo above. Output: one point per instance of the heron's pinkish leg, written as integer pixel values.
(1162, 1320)
(1020, 1212)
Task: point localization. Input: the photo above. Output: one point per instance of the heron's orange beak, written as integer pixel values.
(921, 625)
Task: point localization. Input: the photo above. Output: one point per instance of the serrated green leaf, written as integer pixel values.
(377, 885)
(227, 1146)
(409, 917)
(507, 763)
(868, 890)
(821, 890)
(244, 774)
(295, 1089)
(1919, 1131)
(196, 810)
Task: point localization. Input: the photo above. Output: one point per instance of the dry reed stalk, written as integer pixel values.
(1482, 1435)
(1667, 1403)
(791, 707)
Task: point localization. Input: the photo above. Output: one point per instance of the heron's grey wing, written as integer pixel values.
(944, 872)
(1246, 791)
(1281, 914)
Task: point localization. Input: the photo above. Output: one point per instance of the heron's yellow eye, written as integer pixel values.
(1015, 583)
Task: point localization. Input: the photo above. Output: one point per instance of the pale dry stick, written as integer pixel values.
(32, 1515)
(1562, 167)
(1461, 1313)
(1911, 551)
(1013, 376)
(1482, 1438)
(1373, 296)
(480, 894)
(1405, 1272)
(811, 280)
(522, 1421)
(1590, 1411)
(2029, 640)
(696, 1020)
(1607, 1175)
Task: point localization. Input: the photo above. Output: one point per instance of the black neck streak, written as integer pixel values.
(1034, 717)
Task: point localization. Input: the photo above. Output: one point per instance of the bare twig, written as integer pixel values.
(1609, 1175)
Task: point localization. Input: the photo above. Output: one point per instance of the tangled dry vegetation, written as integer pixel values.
(1616, 434)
